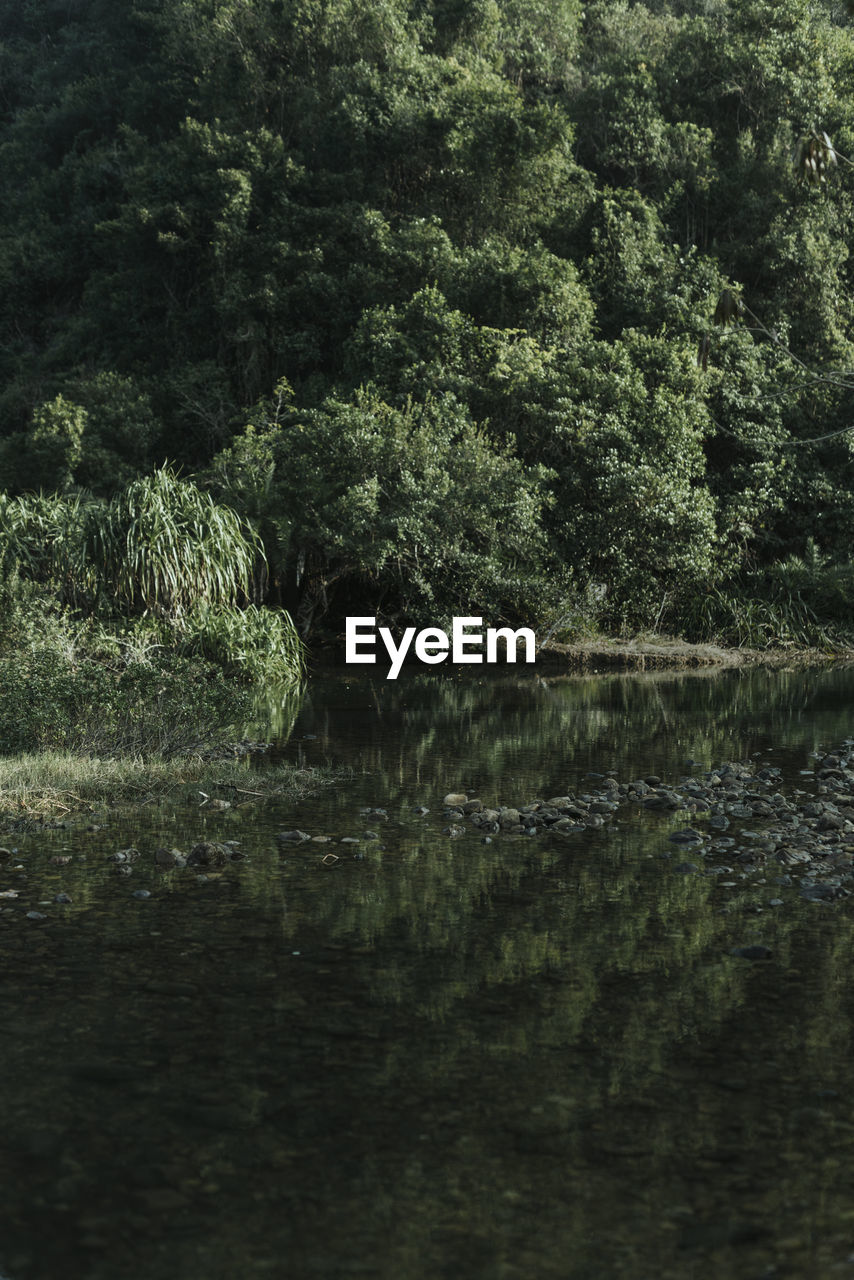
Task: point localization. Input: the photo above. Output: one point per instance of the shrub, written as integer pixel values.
(259, 643)
(163, 707)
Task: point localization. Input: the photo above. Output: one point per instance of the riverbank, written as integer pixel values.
(53, 785)
(664, 653)
(650, 653)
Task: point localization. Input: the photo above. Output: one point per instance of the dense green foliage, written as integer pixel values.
(452, 264)
(159, 706)
(118, 618)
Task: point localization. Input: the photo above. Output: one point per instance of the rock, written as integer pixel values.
(454, 799)
(141, 894)
(508, 818)
(169, 858)
(791, 857)
(453, 832)
(686, 868)
(421, 811)
(207, 854)
(822, 893)
(292, 837)
(36, 915)
(662, 801)
(62, 898)
(687, 836)
(124, 855)
(165, 987)
(756, 952)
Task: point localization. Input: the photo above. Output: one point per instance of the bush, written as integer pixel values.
(162, 707)
(414, 507)
(261, 644)
(805, 601)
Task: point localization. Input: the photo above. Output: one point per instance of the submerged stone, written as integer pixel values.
(208, 854)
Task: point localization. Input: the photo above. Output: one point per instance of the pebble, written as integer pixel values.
(124, 855)
(140, 894)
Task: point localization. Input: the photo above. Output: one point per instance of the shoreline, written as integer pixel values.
(590, 657)
(666, 654)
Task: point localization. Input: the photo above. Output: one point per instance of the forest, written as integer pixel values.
(514, 308)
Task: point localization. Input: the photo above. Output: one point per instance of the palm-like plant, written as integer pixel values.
(163, 546)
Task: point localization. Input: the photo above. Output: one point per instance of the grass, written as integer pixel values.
(57, 783)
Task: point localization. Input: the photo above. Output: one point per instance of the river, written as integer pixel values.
(416, 1057)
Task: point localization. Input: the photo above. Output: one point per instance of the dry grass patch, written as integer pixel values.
(55, 783)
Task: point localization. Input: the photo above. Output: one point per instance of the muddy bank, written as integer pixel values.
(675, 655)
(664, 654)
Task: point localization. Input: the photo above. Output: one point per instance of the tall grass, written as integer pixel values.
(57, 782)
(43, 539)
(260, 643)
(805, 601)
(163, 546)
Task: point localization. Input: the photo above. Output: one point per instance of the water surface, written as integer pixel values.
(426, 1057)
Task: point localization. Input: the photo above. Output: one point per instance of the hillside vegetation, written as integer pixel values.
(505, 307)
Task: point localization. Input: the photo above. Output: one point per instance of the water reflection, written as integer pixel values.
(436, 1058)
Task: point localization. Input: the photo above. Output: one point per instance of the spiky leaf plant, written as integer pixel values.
(261, 644)
(163, 547)
(43, 539)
